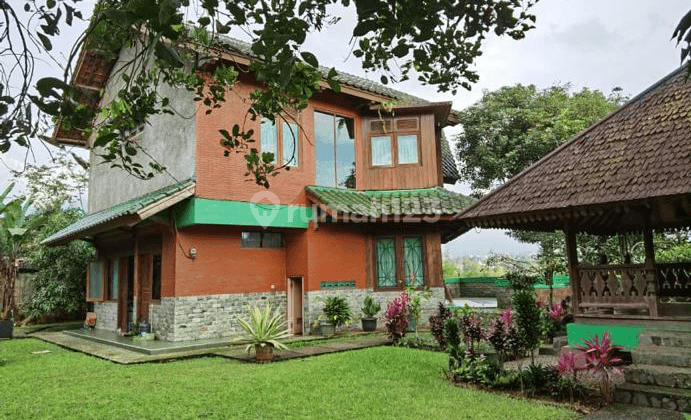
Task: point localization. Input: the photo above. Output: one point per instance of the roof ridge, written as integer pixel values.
(575, 138)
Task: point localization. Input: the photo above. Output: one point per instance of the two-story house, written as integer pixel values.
(362, 210)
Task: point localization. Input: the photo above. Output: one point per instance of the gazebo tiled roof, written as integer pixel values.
(638, 157)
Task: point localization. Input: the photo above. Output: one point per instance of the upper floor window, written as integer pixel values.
(283, 143)
(334, 150)
(397, 144)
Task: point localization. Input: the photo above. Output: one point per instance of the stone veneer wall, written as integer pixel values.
(355, 297)
(200, 317)
(106, 315)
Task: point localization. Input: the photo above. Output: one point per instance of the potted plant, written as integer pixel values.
(336, 313)
(370, 309)
(263, 331)
(416, 306)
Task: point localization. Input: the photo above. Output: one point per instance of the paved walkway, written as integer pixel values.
(125, 356)
(633, 412)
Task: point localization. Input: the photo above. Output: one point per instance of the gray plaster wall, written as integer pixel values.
(169, 139)
(106, 315)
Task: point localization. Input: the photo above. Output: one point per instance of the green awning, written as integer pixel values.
(129, 212)
(383, 203)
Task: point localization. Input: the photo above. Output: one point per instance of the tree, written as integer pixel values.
(58, 285)
(513, 127)
(15, 235)
(436, 41)
(683, 35)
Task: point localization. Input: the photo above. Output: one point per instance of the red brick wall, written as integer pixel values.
(222, 178)
(336, 253)
(223, 266)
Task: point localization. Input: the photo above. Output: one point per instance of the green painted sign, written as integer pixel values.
(622, 335)
(202, 211)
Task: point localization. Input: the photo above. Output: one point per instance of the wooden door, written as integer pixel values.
(123, 284)
(295, 305)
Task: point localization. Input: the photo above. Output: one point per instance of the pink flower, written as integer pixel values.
(506, 317)
(556, 313)
(569, 363)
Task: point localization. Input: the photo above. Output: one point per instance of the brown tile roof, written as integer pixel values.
(639, 152)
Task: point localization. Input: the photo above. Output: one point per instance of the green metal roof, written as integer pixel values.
(128, 208)
(379, 203)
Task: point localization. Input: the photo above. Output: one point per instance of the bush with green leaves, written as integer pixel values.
(477, 370)
(337, 310)
(370, 307)
(58, 285)
(436, 323)
(265, 327)
(527, 320)
(538, 378)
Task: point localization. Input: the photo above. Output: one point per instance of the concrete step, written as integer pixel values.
(667, 376)
(666, 338)
(660, 355)
(674, 399)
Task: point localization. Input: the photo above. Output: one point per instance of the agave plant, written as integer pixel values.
(265, 328)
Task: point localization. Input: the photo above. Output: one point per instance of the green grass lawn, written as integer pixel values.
(375, 383)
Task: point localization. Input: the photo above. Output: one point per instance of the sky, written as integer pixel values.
(599, 44)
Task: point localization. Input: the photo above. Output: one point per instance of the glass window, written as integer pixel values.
(407, 148)
(262, 240)
(413, 262)
(345, 152)
(95, 290)
(386, 262)
(290, 144)
(251, 239)
(156, 278)
(113, 279)
(272, 240)
(269, 137)
(334, 150)
(381, 151)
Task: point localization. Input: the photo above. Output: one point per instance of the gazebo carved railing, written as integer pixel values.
(605, 288)
(630, 286)
(674, 280)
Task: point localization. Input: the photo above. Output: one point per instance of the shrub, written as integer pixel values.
(417, 342)
(436, 323)
(396, 317)
(472, 332)
(370, 307)
(527, 320)
(538, 378)
(477, 370)
(337, 310)
(600, 359)
(568, 367)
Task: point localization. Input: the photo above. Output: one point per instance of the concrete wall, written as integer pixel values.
(169, 139)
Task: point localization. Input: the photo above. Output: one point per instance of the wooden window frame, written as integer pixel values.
(394, 133)
(400, 262)
(104, 281)
(278, 159)
(337, 112)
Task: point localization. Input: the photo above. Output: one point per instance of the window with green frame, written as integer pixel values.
(386, 262)
(411, 251)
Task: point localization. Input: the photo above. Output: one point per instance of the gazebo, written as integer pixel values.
(630, 172)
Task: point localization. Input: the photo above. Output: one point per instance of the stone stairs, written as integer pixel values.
(660, 376)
